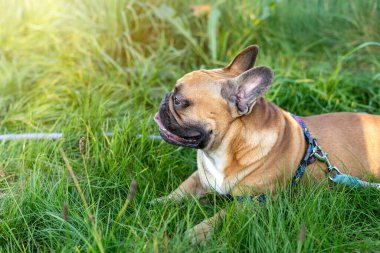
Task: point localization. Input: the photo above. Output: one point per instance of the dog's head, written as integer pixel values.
(203, 104)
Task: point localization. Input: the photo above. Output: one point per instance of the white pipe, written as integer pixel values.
(31, 136)
(54, 136)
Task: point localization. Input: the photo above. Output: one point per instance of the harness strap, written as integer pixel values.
(308, 158)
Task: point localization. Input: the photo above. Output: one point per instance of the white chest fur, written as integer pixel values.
(211, 166)
(211, 171)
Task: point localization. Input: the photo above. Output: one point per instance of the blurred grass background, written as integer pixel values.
(93, 66)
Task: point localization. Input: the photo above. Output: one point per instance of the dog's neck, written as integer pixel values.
(250, 128)
(262, 136)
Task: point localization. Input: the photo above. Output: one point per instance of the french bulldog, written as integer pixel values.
(247, 145)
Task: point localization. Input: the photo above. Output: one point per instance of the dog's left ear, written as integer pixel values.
(242, 91)
(244, 61)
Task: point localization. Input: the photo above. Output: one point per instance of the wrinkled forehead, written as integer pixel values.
(204, 77)
(202, 80)
(201, 86)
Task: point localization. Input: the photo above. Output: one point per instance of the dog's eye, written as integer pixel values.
(180, 103)
(177, 102)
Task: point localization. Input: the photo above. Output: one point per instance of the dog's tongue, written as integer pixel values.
(169, 135)
(157, 119)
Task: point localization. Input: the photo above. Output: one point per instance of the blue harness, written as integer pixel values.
(309, 158)
(313, 153)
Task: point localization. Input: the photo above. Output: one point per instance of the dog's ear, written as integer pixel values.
(244, 61)
(241, 92)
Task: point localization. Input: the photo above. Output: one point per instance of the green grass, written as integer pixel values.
(89, 67)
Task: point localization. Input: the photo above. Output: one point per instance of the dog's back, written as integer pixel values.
(351, 139)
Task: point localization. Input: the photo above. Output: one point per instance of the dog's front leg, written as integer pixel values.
(191, 187)
(203, 231)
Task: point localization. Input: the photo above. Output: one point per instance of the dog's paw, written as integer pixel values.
(200, 233)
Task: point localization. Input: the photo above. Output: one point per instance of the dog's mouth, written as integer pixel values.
(192, 135)
(191, 139)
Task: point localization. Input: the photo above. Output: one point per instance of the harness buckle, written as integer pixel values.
(320, 154)
(333, 171)
(324, 157)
